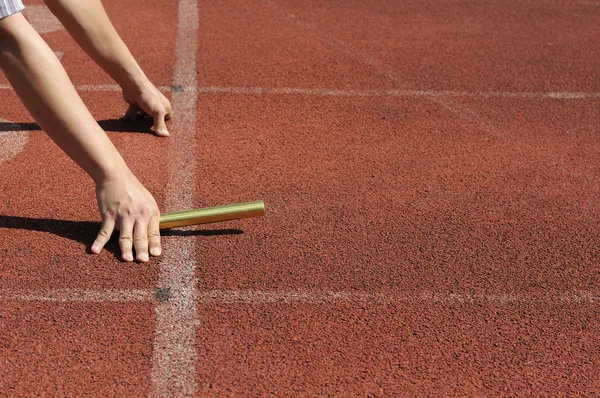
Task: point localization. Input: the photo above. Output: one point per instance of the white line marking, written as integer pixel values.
(350, 93)
(291, 296)
(379, 66)
(332, 41)
(315, 91)
(98, 87)
(42, 20)
(174, 359)
(300, 296)
(391, 93)
(83, 87)
(12, 142)
(68, 295)
(467, 114)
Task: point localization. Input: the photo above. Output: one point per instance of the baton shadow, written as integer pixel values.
(85, 232)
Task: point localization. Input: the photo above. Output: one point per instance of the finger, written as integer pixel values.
(131, 113)
(108, 225)
(160, 127)
(154, 237)
(126, 240)
(140, 240)
(169, 112)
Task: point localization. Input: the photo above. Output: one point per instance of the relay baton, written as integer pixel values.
(212, 214)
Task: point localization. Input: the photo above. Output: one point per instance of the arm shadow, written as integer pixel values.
(14, 126)
(85, 232)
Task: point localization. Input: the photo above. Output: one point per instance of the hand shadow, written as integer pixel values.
(85, 232)
(140, 125)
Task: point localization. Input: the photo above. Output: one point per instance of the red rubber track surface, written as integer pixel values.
(431, 176)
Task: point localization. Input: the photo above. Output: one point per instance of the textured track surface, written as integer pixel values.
(431, 175)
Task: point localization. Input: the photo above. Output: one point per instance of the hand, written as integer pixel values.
(127, 206)
(148, 101)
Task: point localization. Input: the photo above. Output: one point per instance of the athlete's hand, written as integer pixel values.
(127, 206)
(148, 101)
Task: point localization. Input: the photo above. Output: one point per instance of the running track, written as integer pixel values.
(431, 171)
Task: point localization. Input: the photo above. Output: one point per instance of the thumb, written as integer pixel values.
(160, 127)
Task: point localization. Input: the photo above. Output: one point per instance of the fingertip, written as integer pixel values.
(155, 251)
(103, 236)
(127, 256)
(161, 131)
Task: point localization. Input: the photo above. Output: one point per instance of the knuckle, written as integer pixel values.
(104, 233)
(142, 211)
(126, 212)
(125, 239)
(141, 238)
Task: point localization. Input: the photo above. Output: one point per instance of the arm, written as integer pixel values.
(44, 87)
(88, 23)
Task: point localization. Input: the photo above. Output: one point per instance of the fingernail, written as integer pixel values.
(144, 257)
(155, 251)
(128, 256)
(95, 249)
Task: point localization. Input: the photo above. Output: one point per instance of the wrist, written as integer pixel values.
(133, 83)
(113, 169)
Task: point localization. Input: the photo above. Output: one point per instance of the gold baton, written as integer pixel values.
(212, 214)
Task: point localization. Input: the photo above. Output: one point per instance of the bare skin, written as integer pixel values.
(42, 84)
(88, 23)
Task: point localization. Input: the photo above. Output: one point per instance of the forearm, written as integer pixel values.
(44, 87)
(88, 23)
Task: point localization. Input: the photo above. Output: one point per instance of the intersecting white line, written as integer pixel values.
(174, 355)
(440, 97)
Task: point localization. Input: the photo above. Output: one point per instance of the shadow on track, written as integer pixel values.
(85, 232)
(13, 126)
(141, 126)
